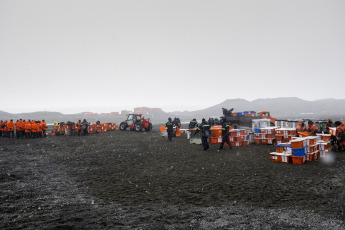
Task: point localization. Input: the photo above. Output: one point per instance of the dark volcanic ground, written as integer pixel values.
(129, 180)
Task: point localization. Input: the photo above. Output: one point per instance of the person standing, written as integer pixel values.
(170, 128)
(193, 124)
(299, 127)
(225, 135)
(10, 127)
(19, 129)
(34, 129)
(204, 127)
(84, 126)
(28, 129)
(44, 128)
(79, 127)
(311, 128)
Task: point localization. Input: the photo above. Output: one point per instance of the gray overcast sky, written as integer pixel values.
(104, 55)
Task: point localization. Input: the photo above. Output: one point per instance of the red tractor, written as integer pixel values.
(136, 122)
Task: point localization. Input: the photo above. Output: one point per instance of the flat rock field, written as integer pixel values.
(139, 180)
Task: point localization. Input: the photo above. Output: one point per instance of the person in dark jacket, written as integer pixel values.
(84, 126)
(225, 134)
(170, 128)
(193, 124)
(204, 127)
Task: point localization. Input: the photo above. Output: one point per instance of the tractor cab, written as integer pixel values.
(133, 118)
(136, 121)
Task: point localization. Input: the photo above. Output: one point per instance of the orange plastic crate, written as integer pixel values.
(298, 160)
(257, 141)
(237, 143)
(269, 136)
(310, 156)
(276, 157)
(241, 138)
(292, 132)
(326, 137)
(296, 144)
(311, 141)
(216, 132)
(279, 137)
(213, 140)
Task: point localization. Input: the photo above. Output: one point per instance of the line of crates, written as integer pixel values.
(238, 137)
(302, 149)
(265, 136)
(93, 128)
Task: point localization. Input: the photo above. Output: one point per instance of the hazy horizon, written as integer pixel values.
(108, 109)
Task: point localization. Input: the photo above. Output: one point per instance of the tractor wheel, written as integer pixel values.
(138, 127)
(123, 126)
(148, 129)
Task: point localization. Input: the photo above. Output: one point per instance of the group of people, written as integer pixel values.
(211, 122)
(81, 127)
(22, 128)
(171, 127)
(205, 128)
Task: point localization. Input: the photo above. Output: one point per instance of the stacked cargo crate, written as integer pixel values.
(324, 142)
(238, 137)
(266, 136)
(283, 153)
(284, 135)
(302, 149)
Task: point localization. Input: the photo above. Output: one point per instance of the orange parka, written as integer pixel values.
(44, 126)
(312, 129)
(34, 127)
(10, 126)
(299, 126)
(28, 127)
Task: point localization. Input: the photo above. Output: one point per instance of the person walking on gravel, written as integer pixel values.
(225, 134)
(205, 133)
(84, 126)
(170, 129)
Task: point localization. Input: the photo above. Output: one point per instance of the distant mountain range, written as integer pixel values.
(282, 108)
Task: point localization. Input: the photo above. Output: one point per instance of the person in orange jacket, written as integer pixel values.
(23, 129)
(44, 128)
(342, 126)
(10, 126)
(79, 127)
(34, 129)
(19, 128)
(28, 129)
(39, 130)
(311, 128)
(299, 126)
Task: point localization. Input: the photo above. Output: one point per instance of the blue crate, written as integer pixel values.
(258, 129)
(240, 114)
(299, 152)
(249, 112)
